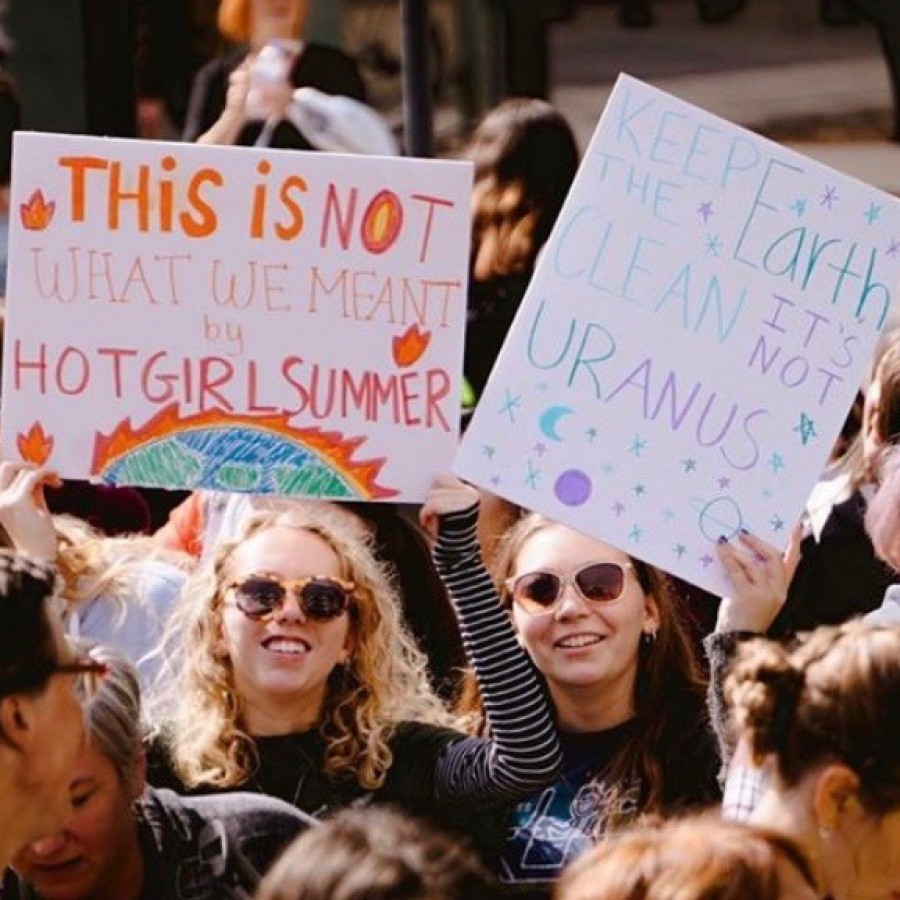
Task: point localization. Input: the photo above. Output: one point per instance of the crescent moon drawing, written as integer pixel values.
(549, 421)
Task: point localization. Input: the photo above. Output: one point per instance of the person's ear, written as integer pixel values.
(836, 792)
(651, 615)
(869, 425)
(16, 721)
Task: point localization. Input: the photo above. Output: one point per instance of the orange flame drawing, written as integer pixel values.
(410, 346)
(35, 446)
(37, 213)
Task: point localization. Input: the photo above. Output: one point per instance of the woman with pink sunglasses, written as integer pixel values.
(602, 630)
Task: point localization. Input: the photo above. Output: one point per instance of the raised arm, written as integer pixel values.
(523, 753)
(760, 576)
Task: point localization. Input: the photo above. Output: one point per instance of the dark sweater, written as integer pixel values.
(204, 848)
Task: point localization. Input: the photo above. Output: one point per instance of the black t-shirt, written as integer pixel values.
(838, 577)
(554, 826)
(325, 68)
(290, 768)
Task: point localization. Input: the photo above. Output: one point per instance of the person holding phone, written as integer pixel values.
(241, 97)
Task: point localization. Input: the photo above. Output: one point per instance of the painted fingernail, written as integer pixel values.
(744, 531)
(722, 539)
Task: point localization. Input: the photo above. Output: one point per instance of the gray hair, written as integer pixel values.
(113, 712)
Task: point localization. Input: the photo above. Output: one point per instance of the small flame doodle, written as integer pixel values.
(35, 446)
(410, 346)
(37, 213)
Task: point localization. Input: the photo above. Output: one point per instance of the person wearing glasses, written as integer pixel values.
(293, 675)
(602, 630)
(41, 730)
(126, 841)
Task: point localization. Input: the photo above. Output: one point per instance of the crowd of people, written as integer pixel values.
(296, 699)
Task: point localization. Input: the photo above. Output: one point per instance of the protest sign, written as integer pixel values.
(691, 342)
(235, 319)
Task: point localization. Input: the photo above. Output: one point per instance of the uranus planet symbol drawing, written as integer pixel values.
(717, 517)
(549, 421)
(573, 487)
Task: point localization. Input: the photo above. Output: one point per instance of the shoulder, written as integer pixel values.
(247, 813)
(330, 70)
(238, 835)
(419, 736)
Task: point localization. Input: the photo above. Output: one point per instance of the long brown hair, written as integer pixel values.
(669, 689)
(525, 158)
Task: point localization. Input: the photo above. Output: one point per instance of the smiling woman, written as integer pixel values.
(603, 631)
(294, 676)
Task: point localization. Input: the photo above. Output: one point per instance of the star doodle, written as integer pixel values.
(495, 480)
(872, 213)
(540, 449)
(638, 445)
(714, 245)
(776, 462)
(618, 507)
(777, 523)
(510, 405)
(532, 476)
(799, 207)
(706, 560)
(591, 434)
(829, 197)
(893, 248)
(679, 550)
(690, 465)
(607, 468)
(806, 428)
(635, 534)
(488, 450)
(668, 515)
(724, 483)
(705, 211)
(639, 490)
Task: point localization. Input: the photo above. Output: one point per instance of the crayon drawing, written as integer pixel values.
(237, 453)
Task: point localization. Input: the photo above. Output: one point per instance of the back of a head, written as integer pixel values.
(376, 854)
(28, 650)
(831, 698)
(703, 858)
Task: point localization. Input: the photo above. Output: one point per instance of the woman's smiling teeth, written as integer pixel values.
(575, 641)
(293, 646)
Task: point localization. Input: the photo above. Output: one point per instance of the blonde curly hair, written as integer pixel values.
(93, 564)
(381, 685)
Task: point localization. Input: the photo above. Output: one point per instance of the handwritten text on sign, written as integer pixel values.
(692, 340)
(235, 319)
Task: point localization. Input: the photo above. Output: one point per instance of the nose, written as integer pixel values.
(291, 608)
(570, 605)
(49, 846)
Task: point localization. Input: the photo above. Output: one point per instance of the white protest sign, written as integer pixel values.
(691, 342)
(237, 319)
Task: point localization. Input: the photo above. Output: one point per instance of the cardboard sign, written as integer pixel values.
(696, 330)
(244, 320)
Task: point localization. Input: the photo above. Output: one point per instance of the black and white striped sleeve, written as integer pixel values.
(523, 752)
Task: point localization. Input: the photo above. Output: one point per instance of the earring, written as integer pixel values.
(648, 639)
